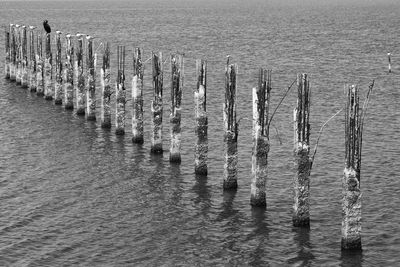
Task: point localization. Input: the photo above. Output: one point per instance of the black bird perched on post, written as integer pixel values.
(46, 26)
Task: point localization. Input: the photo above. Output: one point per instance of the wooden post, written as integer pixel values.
(7, 53)
(12, 53)
(302, 161)
(69, 74)
(24, 58)
(177, 74)
(201, 128)
(230, 127)
(137, 98)
(105, 110)
(80, 78)
(58, 67)
(32, 60)
(18, 54)
(39, 66)
(157, 104)
(120, 93)
(390, 62)
(351, 193)
(91, 80)
(48, 66)
(259, 158)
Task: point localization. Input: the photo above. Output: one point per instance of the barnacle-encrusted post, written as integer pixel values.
(91, 80)
(69, 74)
(120, 93)
(157, 104)
(137, 98)
(58, 65)
(48, 67)
(106, 89)
(80, 89)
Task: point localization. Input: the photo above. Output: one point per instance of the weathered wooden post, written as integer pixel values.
(302, 161)
(48, 67)
(137, 98)
(32, 60)
(80, 77)
(7, 53)
(105, 110)
(18, 54)
(69, 74)
(120, 93)
(157, 104)
(390, 63)
(177, 74)
(58, 67)
(24, 64)
(351, 193)
(91, 80)
(39, 66)
(230, 127)
(201, 128)
(12, 53)
(259, 158)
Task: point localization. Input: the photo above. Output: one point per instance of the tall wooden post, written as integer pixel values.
(7, 53)
(106, 92)
(201, 128)
(12, 53)
(32, 60)
(157, 104)
(351, 193)
(48, 66)
(59, 69)
(259, 158)
(18, 54)
(177, 74)
(39, 66)
(230, 127)
(137, 98)
(80, 77)
(120, 92)
(69, 74)
(24, 57)
(91, 80)
(302, 161)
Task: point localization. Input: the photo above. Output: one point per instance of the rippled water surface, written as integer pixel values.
(72, 193)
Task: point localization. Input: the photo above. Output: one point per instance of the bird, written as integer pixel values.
(46, 26)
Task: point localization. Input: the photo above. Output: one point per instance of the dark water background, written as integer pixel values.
(72, 193)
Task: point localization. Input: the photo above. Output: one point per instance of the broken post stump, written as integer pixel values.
(259, 158)
(176, 99)
(32, 60)
(59, 69)
(105, 108)
(91, 80)
(302, 161)
(39, 66)
(120, 92)
(230, 128)
(48, 67)
(137, 98)
(201, 127)
(80, 77)
(69, 74)
(157, 104)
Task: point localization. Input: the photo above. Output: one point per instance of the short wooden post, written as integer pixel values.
(177, 74)
(231, 128)
(68, 79)
(120, 92)
(390, 62)
(106, 92)
(302, 161)
(24, 54)
(48, 67)
(32, 60)
(351, 193)
(12, 53)
(39, 66)
(259, 158)
(157, 104)
(59, 69)
(18, 54)
(137, 97)
(80, 78)
(201, 128)
(7, 53)
(91, 80)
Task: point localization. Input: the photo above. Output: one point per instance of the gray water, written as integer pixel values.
(72, 193)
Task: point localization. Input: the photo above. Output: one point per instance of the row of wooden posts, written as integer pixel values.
(36, 73)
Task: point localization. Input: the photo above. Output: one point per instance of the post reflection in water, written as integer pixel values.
(350, 258)
(302, 239)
